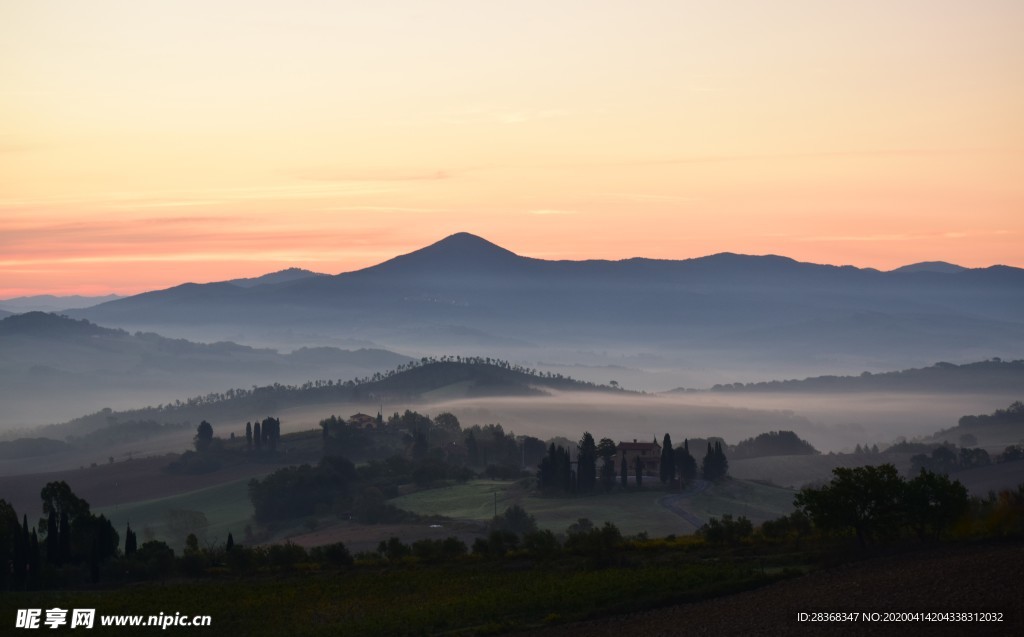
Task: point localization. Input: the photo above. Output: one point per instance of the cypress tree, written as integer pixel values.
(624, 471)
(52, 539)
(64, 543)
(638, 466)
(248, 435)
(230, 543)
(668, 467)
(130, 542)
(33, 556)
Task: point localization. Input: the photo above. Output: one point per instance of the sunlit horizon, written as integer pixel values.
(145, 145)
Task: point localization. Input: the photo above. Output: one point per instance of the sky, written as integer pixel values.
(146, 143)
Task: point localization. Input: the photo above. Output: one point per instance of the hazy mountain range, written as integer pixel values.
(53, 368)
(50, 303)
(722, 312)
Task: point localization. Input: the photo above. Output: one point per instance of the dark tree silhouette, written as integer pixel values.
(715, 465)
(204, 436)
(686, 464)
(638, 466)
(586, 463)
(668, 464)
(130, 541)
(52, 540)
(624, 472)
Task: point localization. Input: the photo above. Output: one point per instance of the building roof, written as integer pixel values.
(637, 446)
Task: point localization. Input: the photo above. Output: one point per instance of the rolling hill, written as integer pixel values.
(53, 368)
(410, 381)
(992, 376)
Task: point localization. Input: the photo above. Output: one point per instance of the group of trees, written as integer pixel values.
(877, 504)
(773, 443)
(68, 536)
(1012, 415)
(264, 434)
(559, 472)
(946, 459)
(715, 465)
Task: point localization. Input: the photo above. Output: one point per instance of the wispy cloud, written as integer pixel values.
(379, 209)
(362, 176)
(205, 197)
(640, 197)
(551, 212)
(836, 154)
(506, 116)
(899, 236)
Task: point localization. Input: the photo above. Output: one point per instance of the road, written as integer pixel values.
(676, 502)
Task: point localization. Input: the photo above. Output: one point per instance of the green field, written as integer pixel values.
(633, 511)
(758, 502)
(227, 508)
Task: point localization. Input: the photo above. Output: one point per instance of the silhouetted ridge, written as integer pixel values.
(281, 276)
(932, 266)
(51, 325)
(460, 253)
(984, 376)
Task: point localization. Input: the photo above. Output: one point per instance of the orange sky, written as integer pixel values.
(144, 143)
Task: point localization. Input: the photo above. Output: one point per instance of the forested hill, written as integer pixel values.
(455, 376)
(986, 376)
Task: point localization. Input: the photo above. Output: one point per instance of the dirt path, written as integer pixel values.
(677, 501)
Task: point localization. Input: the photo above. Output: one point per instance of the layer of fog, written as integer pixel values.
(834, 422)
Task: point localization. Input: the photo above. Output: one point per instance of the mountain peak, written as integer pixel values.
(467, 241)
(281, 276)
(461, 252)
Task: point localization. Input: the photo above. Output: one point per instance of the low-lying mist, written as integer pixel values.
(832, 422)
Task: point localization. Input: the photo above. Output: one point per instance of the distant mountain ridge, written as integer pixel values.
(932, 266)
(281, 276)
(465, 377)
(51, 303)
(53, 367)
(992, 376)
(464, 287)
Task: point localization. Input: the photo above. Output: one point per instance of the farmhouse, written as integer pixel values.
(362, 421)
(648, 452)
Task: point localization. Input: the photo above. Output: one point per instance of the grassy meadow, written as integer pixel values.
(633, 511)
(226, 506)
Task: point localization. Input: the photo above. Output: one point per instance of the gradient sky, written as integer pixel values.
(146, 143)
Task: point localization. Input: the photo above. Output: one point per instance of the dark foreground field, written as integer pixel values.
(659, 590)
(957, 579)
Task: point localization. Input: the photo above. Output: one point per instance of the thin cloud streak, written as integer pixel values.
(546, 212)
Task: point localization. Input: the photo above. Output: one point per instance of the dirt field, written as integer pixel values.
(961, 579)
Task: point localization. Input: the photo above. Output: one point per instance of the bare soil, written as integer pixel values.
(955, 579)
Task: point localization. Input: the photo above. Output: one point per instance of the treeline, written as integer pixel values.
(989, 376)
(602, 465)
(876, 504)
(948, 458)
(67, 545)
(1012, 415)
(488, 375)
(773, 443)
